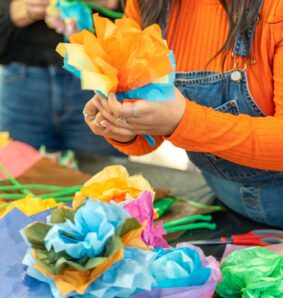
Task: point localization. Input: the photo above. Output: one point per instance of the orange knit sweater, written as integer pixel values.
(199, 32)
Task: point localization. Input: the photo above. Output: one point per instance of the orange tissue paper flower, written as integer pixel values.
(120, 57)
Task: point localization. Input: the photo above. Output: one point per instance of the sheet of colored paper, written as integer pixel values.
(18, 157)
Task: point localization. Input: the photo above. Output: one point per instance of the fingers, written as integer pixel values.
(124, 110)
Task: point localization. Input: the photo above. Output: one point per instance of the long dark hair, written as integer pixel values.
(156, 11)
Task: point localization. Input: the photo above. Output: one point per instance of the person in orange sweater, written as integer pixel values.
(228, 110)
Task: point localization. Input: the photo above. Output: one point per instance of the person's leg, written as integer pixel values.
(76, 135)
(25, 110)
(260, 203)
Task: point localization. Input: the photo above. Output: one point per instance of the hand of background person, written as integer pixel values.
(125, 120)
(26, 12)
(36, 9)
(61, 26)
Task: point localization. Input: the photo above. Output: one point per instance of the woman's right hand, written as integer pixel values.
(26, 12)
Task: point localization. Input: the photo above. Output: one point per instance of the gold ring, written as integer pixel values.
(97, 124)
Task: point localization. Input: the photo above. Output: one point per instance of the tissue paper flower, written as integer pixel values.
(120, 58)
(252, 272)
(67, 11)
(181, 267)
(29, 205)
(142, 209)
(113, 183)
(75, 248)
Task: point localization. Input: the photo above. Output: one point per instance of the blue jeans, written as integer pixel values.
(43, 106)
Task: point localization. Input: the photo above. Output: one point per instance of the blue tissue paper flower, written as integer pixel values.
(94, 223)
(178, 267)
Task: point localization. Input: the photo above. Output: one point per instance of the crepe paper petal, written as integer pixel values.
(142, 210)
(113, 183)
(17, 158)
(252, 272)
(29, 206)
(180, 267)
(12, 251)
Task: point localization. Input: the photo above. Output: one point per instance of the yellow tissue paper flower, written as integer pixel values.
(29, 206)
(112, 183)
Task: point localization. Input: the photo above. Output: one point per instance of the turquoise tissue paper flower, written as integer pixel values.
(178, 267)
(94, 223)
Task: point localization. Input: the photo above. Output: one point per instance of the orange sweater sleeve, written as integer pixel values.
(250, 141)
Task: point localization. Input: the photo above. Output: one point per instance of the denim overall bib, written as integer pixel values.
(254, 193)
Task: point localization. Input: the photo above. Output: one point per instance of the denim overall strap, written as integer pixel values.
(243, 43)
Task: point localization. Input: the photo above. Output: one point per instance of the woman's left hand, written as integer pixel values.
(141, 116)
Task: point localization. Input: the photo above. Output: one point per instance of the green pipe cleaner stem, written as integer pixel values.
(36, 186)
(193, 226)
(106, 12)
(13, 180)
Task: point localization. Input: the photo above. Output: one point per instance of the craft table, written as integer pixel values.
(187, 185)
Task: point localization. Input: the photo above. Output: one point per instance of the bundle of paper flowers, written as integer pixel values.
(98, 251)
(122, 58)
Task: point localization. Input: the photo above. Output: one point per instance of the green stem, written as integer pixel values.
(11, 196)
(187, 220)
(194, 226)
(106, 12)
(68, 191)
(13, 180)
(36, 186)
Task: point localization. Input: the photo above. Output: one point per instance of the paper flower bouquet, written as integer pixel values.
(98, 251)
(103, 247)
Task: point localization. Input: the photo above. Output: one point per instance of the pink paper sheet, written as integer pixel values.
(17, 158)
(231, 248)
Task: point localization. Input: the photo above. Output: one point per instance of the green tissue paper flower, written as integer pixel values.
(254, 272)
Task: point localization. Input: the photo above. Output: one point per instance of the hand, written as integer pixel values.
(98, 123)
(61, 26)
(36, 9)
(26, 12)
(140, 117)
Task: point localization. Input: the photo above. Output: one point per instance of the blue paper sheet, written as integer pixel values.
(13, 281)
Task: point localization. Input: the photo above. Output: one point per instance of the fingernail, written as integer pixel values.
(95, 102)
(104, 123)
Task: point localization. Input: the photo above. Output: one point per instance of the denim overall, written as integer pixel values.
(254, 193)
